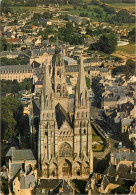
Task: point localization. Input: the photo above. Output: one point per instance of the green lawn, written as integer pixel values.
(95, 137)
(87, 82)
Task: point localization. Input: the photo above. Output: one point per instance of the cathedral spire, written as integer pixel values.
(81, 84)
(47, 80)
(47, 87)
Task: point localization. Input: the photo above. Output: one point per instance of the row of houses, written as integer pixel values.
(119, 104)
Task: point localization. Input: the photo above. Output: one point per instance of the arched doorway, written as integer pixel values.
(46, 170)
(76, 169)
(86, 169)
(53, 170)
(66, 168)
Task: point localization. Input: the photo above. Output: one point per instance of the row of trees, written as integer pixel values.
(97, 32)
(13, 61)
(34, 3)
(122, 16)
(45, 15)
(8, 86)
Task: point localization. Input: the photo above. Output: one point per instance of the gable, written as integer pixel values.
(61, 116)
(65, 129)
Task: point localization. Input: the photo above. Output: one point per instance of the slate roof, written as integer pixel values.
(15, 67)
(35, 52)
(9, 153)
(44, 42)
(110, 99)
(55, 185)
(117, 120)
(36, 107)
(69, 60)
(125, 172)
(121, 181)
(66, 188)
(129, 156)
(111, 170)
(105, 182)
(61, 116)
(49, 183)
(25, 181)
(35, 64)
(126, 121)
(15, 167)
(51, 51)
(19, 155)
(39, 83)
(123, 114)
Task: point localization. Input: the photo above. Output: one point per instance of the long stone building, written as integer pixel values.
(16, 72)
(65, 137)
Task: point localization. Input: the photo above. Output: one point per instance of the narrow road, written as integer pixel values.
(103, 128)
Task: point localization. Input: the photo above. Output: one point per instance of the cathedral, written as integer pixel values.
(65, 137)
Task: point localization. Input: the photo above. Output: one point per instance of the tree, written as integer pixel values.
(69, 26)
(130, 67)
(98, 10)
(131, 35)
(107, 43)
(12, 118)
(4, 45)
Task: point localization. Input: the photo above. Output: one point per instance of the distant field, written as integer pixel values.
(128, 49)
(130, 7)
(22, 8)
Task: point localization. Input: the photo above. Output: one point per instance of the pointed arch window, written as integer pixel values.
(58, 72)
(58, 88)
(82, 102)
(63, 89)
(47, 115)
(46, 101)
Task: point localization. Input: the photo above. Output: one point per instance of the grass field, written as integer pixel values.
(95, 137)
(130, 7)
(98, 147)
(127, 49)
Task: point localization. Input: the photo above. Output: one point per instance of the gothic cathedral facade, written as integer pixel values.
(65, 138)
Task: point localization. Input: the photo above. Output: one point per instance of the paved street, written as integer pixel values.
(112, 139)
